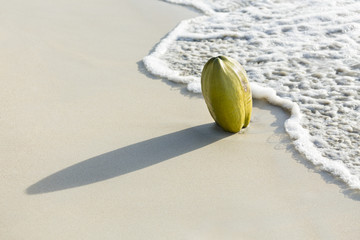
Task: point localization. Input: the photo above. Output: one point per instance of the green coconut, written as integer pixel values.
(227, 93)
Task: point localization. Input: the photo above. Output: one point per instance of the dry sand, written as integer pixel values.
(93, 147)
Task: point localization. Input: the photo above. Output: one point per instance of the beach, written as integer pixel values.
(95, 147)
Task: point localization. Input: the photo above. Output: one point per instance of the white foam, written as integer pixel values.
(301, 136)
(159, 67)
(301, 55)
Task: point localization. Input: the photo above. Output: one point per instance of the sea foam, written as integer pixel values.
(301, 55)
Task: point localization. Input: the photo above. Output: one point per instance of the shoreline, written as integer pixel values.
(135, 157)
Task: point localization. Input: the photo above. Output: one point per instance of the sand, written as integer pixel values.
(93, 147)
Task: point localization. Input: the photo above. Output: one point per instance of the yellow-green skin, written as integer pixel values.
(227, 93)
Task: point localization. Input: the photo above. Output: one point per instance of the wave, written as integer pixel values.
(300, 55)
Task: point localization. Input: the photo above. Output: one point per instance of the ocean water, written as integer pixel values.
(302, 55)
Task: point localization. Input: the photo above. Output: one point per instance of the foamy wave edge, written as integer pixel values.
(299, 135)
